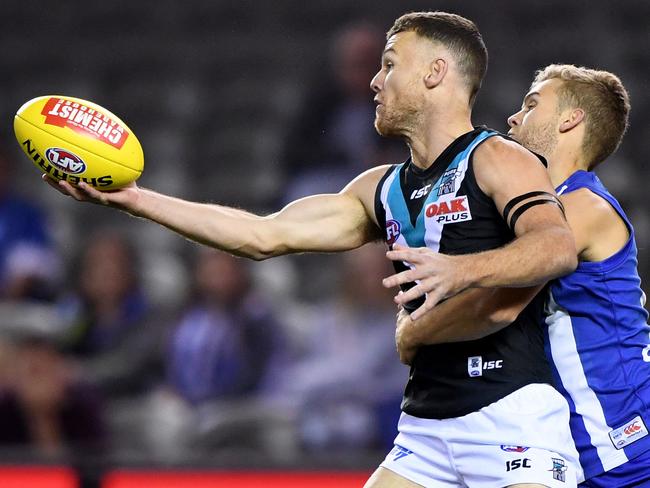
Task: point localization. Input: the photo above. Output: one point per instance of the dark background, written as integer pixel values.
(211, 87)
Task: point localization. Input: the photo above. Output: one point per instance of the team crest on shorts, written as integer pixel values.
(559, 469)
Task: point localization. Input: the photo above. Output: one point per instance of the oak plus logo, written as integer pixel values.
(449, 211)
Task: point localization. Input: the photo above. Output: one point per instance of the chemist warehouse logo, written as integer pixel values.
(449, 211)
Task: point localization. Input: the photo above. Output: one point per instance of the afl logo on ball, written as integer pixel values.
(65, 160)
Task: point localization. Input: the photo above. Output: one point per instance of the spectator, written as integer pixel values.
(226, 338)
(220, 353)
(109, 328)
(107, 302)
(348, 384)
(333, 138)
(28, 264)
(44, 405)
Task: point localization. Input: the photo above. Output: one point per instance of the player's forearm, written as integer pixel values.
(531, 259)
(457, 319)
(472, 314)
(228, 229)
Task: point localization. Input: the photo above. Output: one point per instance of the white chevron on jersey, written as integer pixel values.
(567, 361)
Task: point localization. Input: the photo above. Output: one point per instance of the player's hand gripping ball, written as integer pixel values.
(75, 140)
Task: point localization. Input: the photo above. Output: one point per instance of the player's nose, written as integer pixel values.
(376, 82)
(513, 121)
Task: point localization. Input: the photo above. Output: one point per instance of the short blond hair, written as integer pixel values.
(603, 98)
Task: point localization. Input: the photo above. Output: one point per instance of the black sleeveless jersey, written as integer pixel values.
(444, 209)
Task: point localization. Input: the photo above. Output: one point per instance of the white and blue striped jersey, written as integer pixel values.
(598, 342)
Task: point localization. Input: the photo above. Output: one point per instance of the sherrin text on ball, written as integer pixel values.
(77, 140)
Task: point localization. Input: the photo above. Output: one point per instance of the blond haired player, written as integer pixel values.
(457, 429)
(598, 338)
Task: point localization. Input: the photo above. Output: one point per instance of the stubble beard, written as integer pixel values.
(541, 139)
(396, 122)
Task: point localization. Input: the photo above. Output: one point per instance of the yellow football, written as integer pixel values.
(76, 140)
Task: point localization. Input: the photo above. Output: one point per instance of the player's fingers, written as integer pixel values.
(411, 294)
(54, 184)
(405, 254)
(93, 194)
(72, 191)
(431, 301)
(398, 278)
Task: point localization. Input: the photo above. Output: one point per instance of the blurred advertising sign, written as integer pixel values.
(212, 479)
(38, 477)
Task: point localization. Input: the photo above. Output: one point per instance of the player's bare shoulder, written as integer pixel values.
(589, 208)
(364, 186)
(499, 162)
(598, 229)
(584, 200)
(501, 151)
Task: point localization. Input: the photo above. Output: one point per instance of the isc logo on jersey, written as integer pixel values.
(476, 365)
(449, 211)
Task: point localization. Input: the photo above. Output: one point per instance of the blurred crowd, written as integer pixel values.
(95, 367)
(118, 347)
(284, 359)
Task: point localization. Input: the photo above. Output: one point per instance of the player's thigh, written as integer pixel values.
(385, 478)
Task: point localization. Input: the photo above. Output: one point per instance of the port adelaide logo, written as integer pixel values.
(65, 160)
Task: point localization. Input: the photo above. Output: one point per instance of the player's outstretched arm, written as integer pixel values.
(321, 223)
(543, 249)
(472, 314)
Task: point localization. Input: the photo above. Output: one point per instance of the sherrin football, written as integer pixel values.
(76, 140)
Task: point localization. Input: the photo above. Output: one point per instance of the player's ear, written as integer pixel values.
(571, 119)
(437, 71)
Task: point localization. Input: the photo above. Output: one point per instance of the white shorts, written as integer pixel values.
(522, 438)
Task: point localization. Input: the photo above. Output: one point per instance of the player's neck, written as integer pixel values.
(433, 138)
(562, 165)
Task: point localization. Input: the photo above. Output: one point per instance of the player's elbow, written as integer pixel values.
(261, 245)
(565, 257)
(499, 318)
(262, 250)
